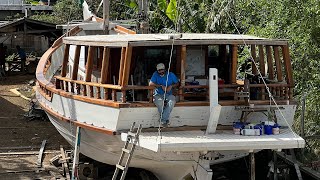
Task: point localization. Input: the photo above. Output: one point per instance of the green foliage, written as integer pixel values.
(63, 11)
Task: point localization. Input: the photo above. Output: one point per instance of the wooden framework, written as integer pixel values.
(282, 91)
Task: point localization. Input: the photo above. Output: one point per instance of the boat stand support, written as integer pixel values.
(131, 138)
(75, 174)
(252, 166)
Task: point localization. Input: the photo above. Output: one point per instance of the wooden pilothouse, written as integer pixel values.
(100, 83)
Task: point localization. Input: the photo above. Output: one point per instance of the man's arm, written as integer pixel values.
(154, 84)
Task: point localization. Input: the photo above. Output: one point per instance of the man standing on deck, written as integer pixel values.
(163, 98)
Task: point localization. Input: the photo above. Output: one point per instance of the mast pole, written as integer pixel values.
(106, 16)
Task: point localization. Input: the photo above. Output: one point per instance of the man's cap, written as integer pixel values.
(160, 66)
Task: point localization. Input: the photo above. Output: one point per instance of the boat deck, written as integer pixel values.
(221, 140)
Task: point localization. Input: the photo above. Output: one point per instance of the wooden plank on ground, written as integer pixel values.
(39, 161)
(65, 163)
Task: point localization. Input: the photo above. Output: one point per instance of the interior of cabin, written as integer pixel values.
(122, 74)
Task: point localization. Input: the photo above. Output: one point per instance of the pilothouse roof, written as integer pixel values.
(166, 39)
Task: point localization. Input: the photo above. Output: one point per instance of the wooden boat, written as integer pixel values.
(89, 82)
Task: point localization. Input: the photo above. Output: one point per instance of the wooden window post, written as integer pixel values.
(104, 69)
(234, 64)
(270, 62)
(65, 60)
(89, 68)
(182, 71)
(254, 56)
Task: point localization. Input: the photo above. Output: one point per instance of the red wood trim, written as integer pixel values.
(77, 123)
(254, 56)
(234, 64)
(65, 60)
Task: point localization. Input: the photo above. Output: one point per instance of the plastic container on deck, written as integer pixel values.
(275, 129)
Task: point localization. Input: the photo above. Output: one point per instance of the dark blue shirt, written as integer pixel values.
(22, 54)
(157, 79)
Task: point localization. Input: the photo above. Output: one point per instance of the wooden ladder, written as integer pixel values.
(131, 137)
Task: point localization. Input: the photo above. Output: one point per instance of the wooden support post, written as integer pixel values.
(106, 12)
(127, 65)
(261, 61)
(75, 163)
(78, 88)
(252, 166)
(151, 96)
(270, 62)
(91, 91)
(98, 93)
(234, 64)
(65, 163)
(58, 85)
(100, 59)
(104, 69)
(123, 52)
(123, 96)
(76, 63)
(89, 65)
(67, 86)
(84, 87)
(278, 63)
(114, 95)
(275, 167)
(183, 71)
(65, 60)
(288, 67)
(254, 56)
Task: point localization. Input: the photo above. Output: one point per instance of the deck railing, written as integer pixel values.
(101, 91)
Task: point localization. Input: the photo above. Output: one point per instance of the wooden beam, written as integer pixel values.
(89, 65)
(278, 63)
(127, 65)
(105, 65)
(65, 60)
(254, 56)
(261, 61)
(106, 12)
(270, 62)
(183, 69)
(123, 52)
(234, 64)
(76, 63)
(287, 64)
(99, 64)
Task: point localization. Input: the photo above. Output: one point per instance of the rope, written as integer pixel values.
(265, 84)
(165, 91)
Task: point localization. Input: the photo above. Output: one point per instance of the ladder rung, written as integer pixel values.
(126, 150)
(120, 167)
(131, 134)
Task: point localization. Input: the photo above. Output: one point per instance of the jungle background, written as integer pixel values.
(297, 21)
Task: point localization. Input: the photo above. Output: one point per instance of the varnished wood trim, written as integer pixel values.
(65, 60)
(278, 63)
(77, 123)
(47, 97)
(105, 65)
(234, 64)
(89, 65)
(123, 52)
(127, 66)
(76, 63)
(254, 56)
(183, 69)
(110, 86)
(123, 30)
(287, 64)
(270, 62)
(261, 61)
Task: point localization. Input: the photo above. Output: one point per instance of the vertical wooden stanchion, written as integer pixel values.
(234, 64)
(75, 163)
(183, 72)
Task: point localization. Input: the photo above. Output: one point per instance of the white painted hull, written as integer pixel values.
(107, 148)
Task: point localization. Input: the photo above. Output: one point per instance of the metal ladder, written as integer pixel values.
(131, 137)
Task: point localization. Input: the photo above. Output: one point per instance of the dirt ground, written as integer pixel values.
(19, 134)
